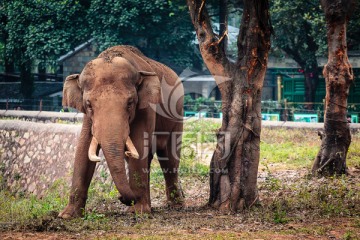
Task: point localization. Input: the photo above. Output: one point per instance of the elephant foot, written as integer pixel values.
(176, 200)
(71, 211)
(74, 209)
(139, 209)
(176, 204)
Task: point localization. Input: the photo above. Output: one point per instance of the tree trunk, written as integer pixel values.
(27, 81)
(311, 75)
(234, 165)
(338, 74)
(9, 65)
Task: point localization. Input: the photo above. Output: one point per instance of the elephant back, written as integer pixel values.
(140, 61)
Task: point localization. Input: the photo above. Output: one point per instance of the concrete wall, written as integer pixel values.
(33, 155)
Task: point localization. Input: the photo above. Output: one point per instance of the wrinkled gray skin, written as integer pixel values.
(115, 91)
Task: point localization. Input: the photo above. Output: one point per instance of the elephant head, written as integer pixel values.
(110, 92)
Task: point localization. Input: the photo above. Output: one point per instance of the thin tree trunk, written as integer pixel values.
(310, 68)
(338, 74)
(27, 81)
(9, 65)
(223, 22)
(311, 75)
(234, 165)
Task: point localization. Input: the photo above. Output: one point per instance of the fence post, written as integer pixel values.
(41, 104)
(324, 108)
(7, 104)
(285, 109)
(279, 79)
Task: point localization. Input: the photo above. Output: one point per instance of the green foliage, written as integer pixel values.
(348, 235)
(18, 208)
(43, 29)
(353, 30)
(298, 148)
(39, 30)
(290, 153)
(161, 29)
(193, 168)
(200, 131)
(299, 30)
(93, 216)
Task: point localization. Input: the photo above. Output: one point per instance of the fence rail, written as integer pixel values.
(271, 110)
(43, 104)
(41, 77)
(56, 117)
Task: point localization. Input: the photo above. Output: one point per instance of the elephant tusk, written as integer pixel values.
(131, 150)
(92, 151)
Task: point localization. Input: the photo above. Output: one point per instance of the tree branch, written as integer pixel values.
(295, 55)
(210, 44)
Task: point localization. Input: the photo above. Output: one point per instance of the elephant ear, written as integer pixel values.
(149, 89)
(72, 96)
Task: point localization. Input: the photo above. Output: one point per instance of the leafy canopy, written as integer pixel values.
(43, 29)
(299, 30)
(161, 29)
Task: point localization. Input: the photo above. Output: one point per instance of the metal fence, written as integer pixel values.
(52, 104)
(42, 77)
(271, 110)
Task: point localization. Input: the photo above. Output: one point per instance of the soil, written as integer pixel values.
(334, 229)
(107, 220)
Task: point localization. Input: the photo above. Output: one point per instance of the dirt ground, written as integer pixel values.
(107, 220)
(331, 229)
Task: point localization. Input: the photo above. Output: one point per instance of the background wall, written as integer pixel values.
(34, 155)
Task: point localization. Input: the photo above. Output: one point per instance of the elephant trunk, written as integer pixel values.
(114, 149)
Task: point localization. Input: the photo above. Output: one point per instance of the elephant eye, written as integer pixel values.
(130, 104)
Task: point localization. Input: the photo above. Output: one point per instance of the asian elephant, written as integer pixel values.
(127, 99)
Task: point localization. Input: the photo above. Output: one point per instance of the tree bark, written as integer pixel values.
(338, 74)
(234, 165)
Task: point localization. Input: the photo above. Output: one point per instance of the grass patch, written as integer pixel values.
(304, 198)
(284, 199)
(200, 131)
(19, 208)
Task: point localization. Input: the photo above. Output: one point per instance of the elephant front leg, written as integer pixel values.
(139, 182)
(82, 175)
